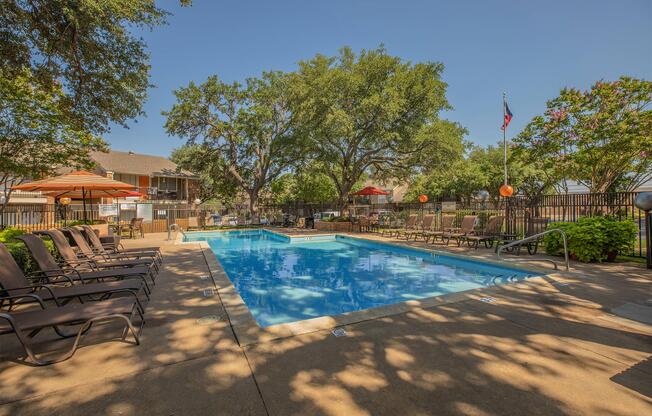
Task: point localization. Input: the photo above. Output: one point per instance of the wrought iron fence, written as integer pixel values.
(518, 211)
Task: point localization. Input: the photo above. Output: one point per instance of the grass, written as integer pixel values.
(630, 259)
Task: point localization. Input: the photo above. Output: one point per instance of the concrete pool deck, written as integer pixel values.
(539, 349)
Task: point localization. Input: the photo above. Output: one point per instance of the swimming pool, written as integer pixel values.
(284, 280)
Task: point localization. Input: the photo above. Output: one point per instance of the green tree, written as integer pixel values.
(87, 47)
(309, 185)
(36, 137)
(212, 183)
(482, 169)
(601, 138)
(372, 113)
(241, 135)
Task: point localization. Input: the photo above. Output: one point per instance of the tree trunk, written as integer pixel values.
(253, 207)
(343, 197)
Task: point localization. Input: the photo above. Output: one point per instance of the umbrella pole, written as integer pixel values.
(84, 202)
(90, 199)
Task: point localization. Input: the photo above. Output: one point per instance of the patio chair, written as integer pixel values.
(411, 225)
(98, 247)
(534, 226)
(115, 259)
(488, 235)
(446, 226)
(70, 257)
(14, 282)
(134, 227)
(389, 226)
(49, 268)
(466, 229)
(26, 324)
(426, 226)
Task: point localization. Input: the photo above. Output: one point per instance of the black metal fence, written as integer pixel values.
(518, 210)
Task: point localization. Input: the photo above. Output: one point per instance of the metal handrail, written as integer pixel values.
(176, 228)
(536, 237)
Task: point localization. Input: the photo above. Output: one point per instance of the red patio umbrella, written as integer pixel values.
(370, 190)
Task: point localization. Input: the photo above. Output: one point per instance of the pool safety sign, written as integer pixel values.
(108, 210)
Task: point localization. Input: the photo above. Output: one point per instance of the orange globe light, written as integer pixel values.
(506, 191)
(423, 198)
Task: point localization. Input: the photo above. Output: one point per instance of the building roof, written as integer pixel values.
(137, 164)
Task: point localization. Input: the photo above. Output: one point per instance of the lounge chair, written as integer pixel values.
(70, 257)
(426, 226)
(446, 226)
(388, 226)
(410, 226)
(115, 259)
(26, 324)
(487, 236)
(534, 226)
(49, 269)
(60, 288)
(466, 229)
(98, 247)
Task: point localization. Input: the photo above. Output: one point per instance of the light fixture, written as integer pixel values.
(65, 201)
(506, 191)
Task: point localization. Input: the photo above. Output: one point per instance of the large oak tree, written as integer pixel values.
(373, 113)
(241, 136)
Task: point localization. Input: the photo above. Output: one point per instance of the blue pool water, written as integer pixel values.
(285, 281)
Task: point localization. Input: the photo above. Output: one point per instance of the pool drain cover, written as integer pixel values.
(488, 299)
(339, 332)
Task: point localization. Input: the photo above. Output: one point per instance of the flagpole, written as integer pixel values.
(505, 137)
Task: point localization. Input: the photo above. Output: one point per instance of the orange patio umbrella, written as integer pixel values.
(78, 183)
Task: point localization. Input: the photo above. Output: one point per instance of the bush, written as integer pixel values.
(338, 219)
(592, 239)
(19, 251)
(86, 222)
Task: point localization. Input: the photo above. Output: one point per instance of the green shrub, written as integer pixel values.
(19, 251)
(338, 219)
(592, 239)
(84, 222)
(9, 234)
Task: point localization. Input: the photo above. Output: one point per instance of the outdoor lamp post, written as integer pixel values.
(65, 201)
(644, 203)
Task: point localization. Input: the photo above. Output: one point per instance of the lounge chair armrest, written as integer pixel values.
(33, 287)
(47, 274)
(26, 295)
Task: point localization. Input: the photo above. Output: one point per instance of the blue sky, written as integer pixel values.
(529, 49)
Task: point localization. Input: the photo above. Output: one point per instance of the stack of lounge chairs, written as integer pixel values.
(89, 282)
